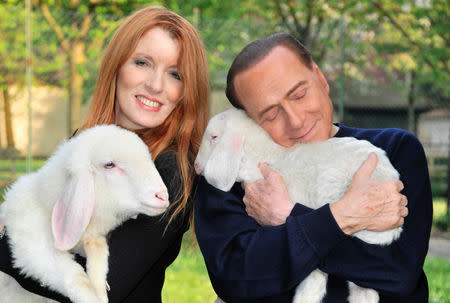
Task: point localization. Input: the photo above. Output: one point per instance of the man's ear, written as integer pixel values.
(321, 77)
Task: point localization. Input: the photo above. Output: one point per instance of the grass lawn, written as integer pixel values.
(438, 274)
(187, 279)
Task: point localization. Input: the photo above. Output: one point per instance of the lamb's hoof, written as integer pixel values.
(365, 295)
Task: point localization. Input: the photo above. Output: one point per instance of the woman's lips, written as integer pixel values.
(148, 104)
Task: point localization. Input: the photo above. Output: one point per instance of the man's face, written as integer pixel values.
(286, 98)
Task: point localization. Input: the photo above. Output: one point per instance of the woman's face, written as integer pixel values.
(148, 84)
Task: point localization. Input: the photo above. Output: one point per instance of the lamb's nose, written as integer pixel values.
(163, 196)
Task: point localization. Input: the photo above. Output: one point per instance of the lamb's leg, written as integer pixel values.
(97, 253)
(11, 291)
(361, 295)
(312, 289)
(58, 271)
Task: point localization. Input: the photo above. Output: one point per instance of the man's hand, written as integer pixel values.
(267, 200)
(370, 204)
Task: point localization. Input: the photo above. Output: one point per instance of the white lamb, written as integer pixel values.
(90, 185)
(315, 174)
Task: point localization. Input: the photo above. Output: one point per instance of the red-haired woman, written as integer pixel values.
(153, 80)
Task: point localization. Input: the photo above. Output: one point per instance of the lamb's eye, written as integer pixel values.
(213, 137)
(109, 165)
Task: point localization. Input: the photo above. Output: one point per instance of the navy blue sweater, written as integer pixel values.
(252, 263)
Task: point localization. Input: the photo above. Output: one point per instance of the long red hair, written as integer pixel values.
(183, 128)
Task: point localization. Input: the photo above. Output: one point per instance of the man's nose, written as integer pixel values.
(295, 119)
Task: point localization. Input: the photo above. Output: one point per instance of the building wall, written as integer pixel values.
(435, 133)
(49, 120)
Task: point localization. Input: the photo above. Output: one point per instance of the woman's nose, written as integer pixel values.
(155, 81)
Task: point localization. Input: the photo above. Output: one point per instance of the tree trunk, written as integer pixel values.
(448, 185)
(10, 144)
(8, 119)
(77, 59)
(411, 100)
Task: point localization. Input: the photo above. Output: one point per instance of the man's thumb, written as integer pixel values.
(265, 169)
(367, 167)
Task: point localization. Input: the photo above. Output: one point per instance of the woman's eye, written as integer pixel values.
(175, 75)
(140, 62)
(109, 165)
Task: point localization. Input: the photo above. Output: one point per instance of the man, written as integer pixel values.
(258, 245)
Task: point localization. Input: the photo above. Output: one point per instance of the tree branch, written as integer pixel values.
(324, 49)
(404, 33)
(314, 36)
(300, 30)
(55, 26)
(306, 29)
(283, 17)
(99, 42)
(85, 25)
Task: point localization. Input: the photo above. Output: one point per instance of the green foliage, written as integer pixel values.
(12, 45)
(225, 29)
(411, 36)
(441, 215)
(439, 186)
(438, 274)
(398, 36)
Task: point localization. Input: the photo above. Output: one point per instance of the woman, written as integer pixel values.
(153, 80)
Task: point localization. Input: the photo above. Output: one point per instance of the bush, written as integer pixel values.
(440, 215)
(439, 187)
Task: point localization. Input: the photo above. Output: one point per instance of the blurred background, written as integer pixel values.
(387, 63)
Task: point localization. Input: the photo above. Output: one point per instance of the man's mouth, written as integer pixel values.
(304, 135)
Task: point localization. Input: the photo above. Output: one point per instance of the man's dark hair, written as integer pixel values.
(256, 51)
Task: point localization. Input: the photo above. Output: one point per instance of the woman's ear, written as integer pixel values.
(73, 210)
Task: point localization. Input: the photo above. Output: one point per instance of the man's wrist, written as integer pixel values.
(348, 224)
(288, 209)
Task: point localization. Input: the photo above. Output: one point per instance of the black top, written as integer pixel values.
(140, 250)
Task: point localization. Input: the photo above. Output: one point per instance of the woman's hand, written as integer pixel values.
(370, 204)
(267, 200)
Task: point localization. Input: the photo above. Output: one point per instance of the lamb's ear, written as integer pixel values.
(73, 211)
(222, 167)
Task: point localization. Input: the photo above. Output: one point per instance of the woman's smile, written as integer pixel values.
(151, 104)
